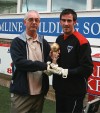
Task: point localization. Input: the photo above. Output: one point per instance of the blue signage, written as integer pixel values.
(88, 26)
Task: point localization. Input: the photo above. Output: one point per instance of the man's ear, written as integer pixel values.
(75, 22)
(24, 21)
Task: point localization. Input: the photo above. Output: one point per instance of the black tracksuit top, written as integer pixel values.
(75, 55)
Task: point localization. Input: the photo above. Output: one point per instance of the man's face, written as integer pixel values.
(67, 23)
(32, 22)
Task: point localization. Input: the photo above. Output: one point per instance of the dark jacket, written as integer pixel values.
(75, 55)
(21, 65)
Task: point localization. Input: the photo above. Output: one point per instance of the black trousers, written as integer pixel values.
(69, 104)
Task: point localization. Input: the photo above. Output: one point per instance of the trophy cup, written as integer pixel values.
(55, 47)
(55, 50)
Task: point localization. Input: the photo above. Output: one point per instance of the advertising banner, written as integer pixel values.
(94, 79)
(88, 26)
(5, 59)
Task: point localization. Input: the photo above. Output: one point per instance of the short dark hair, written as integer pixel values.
(69, 11)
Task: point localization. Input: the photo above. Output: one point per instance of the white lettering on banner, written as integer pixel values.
(86, 26)
(89, 84)
(52, 27)
(98, 72)
(94, 80)
(97, 85)
(58, 27)
(91, 29)
(11, 26)
(42, 27)
(92, 73)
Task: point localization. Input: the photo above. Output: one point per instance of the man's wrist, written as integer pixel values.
(64, 73)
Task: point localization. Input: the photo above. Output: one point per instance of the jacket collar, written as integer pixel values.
(23, 37)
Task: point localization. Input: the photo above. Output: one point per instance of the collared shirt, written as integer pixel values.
(34, 53)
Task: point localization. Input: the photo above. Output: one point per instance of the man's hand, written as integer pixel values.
(48, 71)
(59, 70)
(64, 73)
(53, 68)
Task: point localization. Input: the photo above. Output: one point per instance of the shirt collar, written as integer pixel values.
(66, 36)
(34, 40)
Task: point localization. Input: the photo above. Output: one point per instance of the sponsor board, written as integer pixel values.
(94, 79)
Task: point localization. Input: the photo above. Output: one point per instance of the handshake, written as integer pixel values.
(54, 69)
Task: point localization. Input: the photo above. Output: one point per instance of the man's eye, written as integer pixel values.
(30, 19)
(69, 20)
(34, 19)
(37, 20)
(64, 20)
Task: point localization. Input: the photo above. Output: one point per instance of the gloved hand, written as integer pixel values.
(64, 73)
(48, 71)
(53, 68)
(58, 70)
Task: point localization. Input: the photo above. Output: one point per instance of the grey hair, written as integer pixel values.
(27, 13)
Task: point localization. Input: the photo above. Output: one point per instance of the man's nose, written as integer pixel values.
(66, 22)
(34, 21)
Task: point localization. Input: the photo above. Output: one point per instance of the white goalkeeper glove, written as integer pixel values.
(64, 73)
(50, 70)
(53, 68)
(58, 70)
